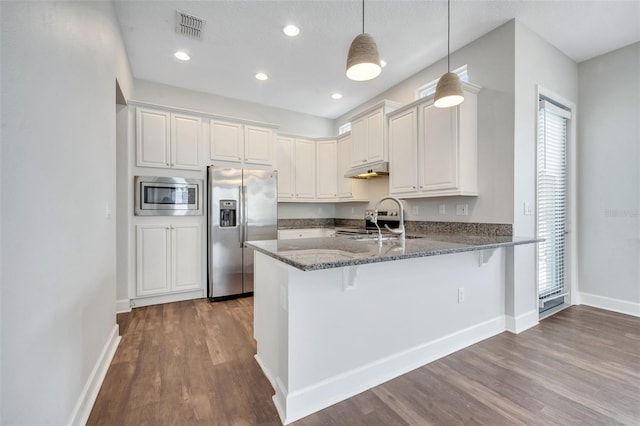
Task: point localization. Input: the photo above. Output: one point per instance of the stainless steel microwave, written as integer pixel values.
(168, 196)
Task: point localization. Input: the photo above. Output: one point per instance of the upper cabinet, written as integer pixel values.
(433, 151)
(226, 140)
(167, 140)
(240, 143)
(296, 169)
(368, 134)
(327, 169)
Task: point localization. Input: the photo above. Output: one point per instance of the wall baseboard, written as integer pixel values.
(522, 322)
(609, 304)
(123, 306)
(308, 400)
(82, 410)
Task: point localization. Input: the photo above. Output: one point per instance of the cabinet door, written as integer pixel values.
(439, 148)
(326, 169)
(186, 248)
(257, 145)
(286, 167)
(226, 140)
(285, 164)
(305, 171)
(152, 138)
(403, 152)
(375, 136)
(185, 141)
(345, 185)
(153, 259)
(358, 142)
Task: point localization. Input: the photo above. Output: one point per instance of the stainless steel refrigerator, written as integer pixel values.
(242, 206)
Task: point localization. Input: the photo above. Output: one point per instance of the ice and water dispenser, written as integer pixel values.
(228, 213)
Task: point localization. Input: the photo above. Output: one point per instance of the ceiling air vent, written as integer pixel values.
(189, 25)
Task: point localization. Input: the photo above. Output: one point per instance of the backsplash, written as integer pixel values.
(412, 226)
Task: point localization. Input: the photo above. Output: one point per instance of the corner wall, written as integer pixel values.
(609, 180)
(537, 63)
(60, 61)
(490, 62)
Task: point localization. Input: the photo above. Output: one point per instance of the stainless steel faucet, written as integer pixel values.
(374, 218)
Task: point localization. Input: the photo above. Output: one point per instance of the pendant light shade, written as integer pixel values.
(448, 91)
(449, 88)
(363, 61)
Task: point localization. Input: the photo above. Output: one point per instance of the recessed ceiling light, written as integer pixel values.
(262, 76)
(383, 63)
(183, 56)
(336, 96)
(291, 30)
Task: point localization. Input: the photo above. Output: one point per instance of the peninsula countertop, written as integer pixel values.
(311, 254)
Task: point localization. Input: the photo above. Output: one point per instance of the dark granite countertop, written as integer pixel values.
(311, 254)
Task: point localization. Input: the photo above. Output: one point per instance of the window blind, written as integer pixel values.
(551, 200)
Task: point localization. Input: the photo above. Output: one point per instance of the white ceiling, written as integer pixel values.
(242, 38)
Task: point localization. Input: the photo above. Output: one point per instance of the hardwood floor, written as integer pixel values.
(192, 363)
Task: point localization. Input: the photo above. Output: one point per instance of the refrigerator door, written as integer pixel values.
(260, 202)
(225, 240)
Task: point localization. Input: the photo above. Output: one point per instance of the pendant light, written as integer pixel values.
(363, 61)
(449, 88)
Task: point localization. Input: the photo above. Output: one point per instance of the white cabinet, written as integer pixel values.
(368, 134)
(433, 151)
(167, 140)
(258, 143)
(327, 169)
(403, 154)
(296, 169)
(226, 140)
(305, 169)
(345, 185)
(169, 258)
(285, 164)
(236, 142)
(288, 234)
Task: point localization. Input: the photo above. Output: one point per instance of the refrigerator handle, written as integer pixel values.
(245, 215)
(241, 215)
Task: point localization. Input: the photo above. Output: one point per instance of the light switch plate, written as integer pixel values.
(528, 209)
(415, 210)
(442, 209)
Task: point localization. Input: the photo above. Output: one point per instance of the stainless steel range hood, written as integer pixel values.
(368, 171)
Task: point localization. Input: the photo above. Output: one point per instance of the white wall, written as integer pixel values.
(490, 62)
(59, 65)
(537, 63)
(609, 179)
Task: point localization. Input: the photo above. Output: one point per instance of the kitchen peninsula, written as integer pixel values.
(336, 316)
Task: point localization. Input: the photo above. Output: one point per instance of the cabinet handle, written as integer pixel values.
(364, 161)
(413, 187)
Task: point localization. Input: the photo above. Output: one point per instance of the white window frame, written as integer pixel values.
(430, 88)
(572, 189)
(346, 127)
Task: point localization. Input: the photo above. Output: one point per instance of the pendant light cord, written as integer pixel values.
(448, 33)
(362, 16)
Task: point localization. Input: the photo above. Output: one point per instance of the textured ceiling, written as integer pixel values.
(241, 38)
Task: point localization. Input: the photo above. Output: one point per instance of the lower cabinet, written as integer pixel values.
(169, 258)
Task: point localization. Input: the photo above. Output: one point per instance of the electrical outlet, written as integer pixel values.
(415, 210)
(461, 295)
(353, 211)
(462, 209)
(442, 209)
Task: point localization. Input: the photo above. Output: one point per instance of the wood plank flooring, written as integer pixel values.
(191, 363)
